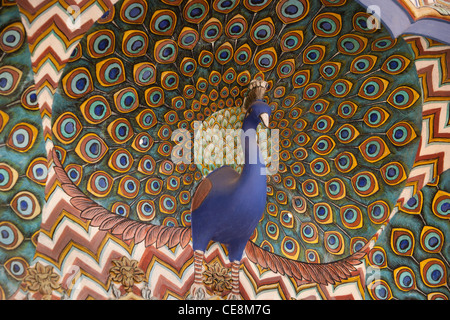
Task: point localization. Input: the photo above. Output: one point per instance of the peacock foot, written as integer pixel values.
(198, 292)
(234, 296)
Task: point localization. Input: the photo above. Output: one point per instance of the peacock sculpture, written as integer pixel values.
(343, 95)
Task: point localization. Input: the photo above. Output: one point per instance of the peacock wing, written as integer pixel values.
(201, 193)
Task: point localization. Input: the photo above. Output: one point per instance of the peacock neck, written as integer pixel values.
(254, 166)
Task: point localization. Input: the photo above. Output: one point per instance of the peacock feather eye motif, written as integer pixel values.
(309, 233)
(75, 173)
(26, 205)
(266, 60)
(393, 173)
(380, 290)
(91, 148)
(263, 31)
(195, 11)
(121, 209)
(341, 88)
(335, 189)
(154, 97)
(433, 272)
(345, 162)
(377, 257)
(289, 11)
(334, 242)
(329, 70)
(17, 268)
(135, 43)
(431, 239)
(290, 248)
(403, 97)
(11, 236)
(22, 137)
(163, 22)
(126, 100)
(9, 79)
(401, 133)
(291, 40)
(373, 88)
(37, 170)
(374, 149)
(101, 43)
(121, 160)
(236, 27)
(146, 210)
(413, 205)
(376, 117)
(395, 64)
(144, 73)
(314, 54)
(347, 133)
(109, 72)
(351, 216)
(225, 6)
(128, 187)
(327, 25)
(402, 241)
(323, 213)
(312, 91)
(224, 53)
(347, 109)
(301, 78)
(8, 177)
(29, 99)
(12, 37)
(187, 40)
(352, 44)
(133, 12)
(95, 110)
(165, 51)
(440, 205)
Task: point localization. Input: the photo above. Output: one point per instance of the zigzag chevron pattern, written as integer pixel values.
(256, 284)
(169, 275)
(433, 155)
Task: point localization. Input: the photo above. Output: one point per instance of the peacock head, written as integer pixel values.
(259, 112)
(254, 107)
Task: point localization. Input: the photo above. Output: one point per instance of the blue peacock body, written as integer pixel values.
(344, 96)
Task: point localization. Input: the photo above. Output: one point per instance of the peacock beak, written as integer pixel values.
(265, 119)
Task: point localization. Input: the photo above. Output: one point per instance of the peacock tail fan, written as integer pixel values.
(345, 98)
